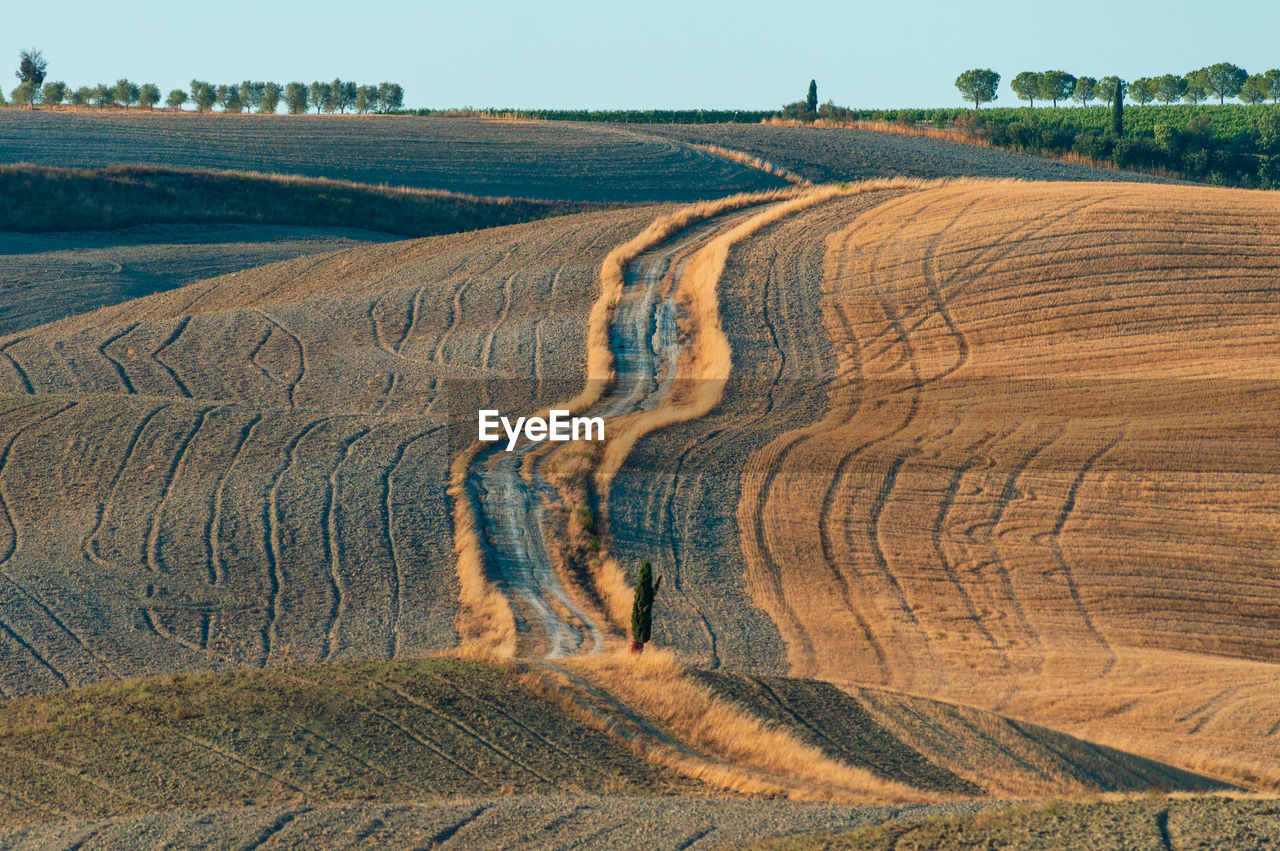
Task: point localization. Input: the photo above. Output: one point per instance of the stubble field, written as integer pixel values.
(251, 469)
(575, 162)
(48, 276)
(1045, 476)
(827, 155)
(984, 509)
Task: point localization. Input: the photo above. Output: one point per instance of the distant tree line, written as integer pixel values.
(1221, 80)
(249, 96)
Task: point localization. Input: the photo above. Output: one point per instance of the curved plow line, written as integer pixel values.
(13, 551)
(17, 367)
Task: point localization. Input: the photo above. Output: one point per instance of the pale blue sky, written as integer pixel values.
(653, 54)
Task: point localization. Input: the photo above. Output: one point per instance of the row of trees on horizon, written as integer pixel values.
(250, 95)
(1221, 80)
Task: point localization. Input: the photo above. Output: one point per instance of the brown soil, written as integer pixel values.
(252, 469)
(1047, 489)
(50, 276)
(828, 155)
(388, 731)
(553, 160)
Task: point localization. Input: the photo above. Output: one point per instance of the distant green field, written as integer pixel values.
(1226, 121)
(1228, 144)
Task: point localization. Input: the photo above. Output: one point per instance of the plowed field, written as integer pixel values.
(825, 154)
(566, 161)
(252, 469)
(1046, 479)
(46, 277)
(993, 478)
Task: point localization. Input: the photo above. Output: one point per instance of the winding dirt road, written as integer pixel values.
(510, 506)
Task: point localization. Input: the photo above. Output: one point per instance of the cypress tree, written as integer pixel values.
(642, 607)
(1117, 110)
(812, 100)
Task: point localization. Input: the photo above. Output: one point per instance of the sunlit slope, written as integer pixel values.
(444, 728)
(388, 731)
(1048, 477)
(252, 469)
(942, 747)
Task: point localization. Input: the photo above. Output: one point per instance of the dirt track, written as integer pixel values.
(669, 501)
(509, 508)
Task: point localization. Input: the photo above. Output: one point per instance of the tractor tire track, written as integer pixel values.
(119, 367)
(302, 354)
(12, 547)
(257, 349)
(486, 360)
(173, 338)
(396, 638)
(35, 654)
(17, 367)
(213, 529)
(332, 543)
(1007, 492)
(153, 560)
(467, 730)
(272, 521)
(1055, 544)
(235, 759)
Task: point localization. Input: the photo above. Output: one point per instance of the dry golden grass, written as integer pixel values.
(390, 731)
(1047, 480)
(485, 620)
(738, 751)
(752, 161)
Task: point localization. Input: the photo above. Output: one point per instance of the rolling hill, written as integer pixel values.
(252, 469)
(75, 239)
(321, 736)
(828, 155)
(981, 507)
(559, 161)
(1044, 476)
